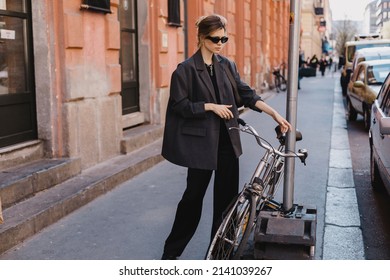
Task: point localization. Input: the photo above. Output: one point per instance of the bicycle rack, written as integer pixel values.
(286, 236)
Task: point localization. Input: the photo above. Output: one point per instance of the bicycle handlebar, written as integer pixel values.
(302, 153)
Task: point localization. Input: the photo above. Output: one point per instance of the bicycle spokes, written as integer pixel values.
(231, 232)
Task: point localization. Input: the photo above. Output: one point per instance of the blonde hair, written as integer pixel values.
(208, 24)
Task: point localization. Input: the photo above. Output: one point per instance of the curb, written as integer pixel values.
(343, 239)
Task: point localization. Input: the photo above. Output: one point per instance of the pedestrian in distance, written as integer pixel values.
(314, 62)
(323, 63)
(301, 65)
(201, 110)
(330, 63)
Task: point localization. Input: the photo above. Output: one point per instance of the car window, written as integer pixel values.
(377, 74)
(385, 93)
(383, 90)
(361, 74)
(354, 75)
(386, 103)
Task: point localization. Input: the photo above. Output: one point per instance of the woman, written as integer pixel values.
(201, 109)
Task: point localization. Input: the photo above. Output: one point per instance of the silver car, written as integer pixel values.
(363, 88)
(379, 137)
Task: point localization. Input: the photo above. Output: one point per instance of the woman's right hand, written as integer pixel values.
(223, 111)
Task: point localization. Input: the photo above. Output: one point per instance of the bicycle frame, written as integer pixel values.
(231, 237)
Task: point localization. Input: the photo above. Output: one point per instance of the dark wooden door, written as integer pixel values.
(17, 90)
(129, 56)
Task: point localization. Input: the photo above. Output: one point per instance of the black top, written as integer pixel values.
(224, 139)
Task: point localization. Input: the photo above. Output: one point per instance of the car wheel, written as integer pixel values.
(367, 118)
(352, 114)
(376, 181)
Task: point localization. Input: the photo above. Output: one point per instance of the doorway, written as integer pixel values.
(17, 91)
(129, 56)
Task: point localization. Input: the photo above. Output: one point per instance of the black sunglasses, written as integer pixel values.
(216, 39)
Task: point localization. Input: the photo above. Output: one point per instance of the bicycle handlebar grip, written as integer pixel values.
(241, 122)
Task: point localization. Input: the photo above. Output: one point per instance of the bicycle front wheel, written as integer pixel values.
(232, 235)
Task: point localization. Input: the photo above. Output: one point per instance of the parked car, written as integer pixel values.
(379, 138)
(363, 88)
(368, 54)
(350, 48)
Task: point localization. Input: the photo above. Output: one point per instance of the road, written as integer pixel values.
(374, 207)
(132, 221)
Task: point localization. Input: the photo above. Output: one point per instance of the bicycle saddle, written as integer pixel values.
(282, 136)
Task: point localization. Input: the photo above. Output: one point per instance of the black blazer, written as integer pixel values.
(191, 134)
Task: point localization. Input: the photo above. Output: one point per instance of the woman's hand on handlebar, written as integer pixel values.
(284, 124)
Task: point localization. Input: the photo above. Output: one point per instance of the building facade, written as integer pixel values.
(76, 74)
(316, 27)
(369, 19)
(382, 12)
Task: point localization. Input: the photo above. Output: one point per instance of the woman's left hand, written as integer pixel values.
(284, 124)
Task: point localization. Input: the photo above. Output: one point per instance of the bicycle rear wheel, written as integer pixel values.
(282, 84)
(277, 83)
(231, 237)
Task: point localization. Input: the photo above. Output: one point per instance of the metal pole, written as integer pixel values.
(292, 93)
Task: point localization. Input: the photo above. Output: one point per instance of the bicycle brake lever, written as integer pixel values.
(304, 156)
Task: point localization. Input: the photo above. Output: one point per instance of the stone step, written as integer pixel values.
(23, 181)
(30, 216)
(140, 136)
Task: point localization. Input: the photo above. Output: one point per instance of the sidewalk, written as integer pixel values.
(343, 236)
(133, 220)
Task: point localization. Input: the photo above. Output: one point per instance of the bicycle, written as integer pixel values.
(279, 80)
(239, 219)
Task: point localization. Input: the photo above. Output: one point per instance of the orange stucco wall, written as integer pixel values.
(78, 75)
(258, 32)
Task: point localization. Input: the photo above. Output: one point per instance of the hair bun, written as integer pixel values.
(199, 20)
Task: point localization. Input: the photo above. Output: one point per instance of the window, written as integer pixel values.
(174, 13)
(386, 107)
(17, 88)
(384, 93)
(97, 5)
(361, 74)
(386, 103)
(13, 52)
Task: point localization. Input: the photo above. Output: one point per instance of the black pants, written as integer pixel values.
(189, 209)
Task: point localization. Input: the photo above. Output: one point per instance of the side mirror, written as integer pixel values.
(384, 125)
(358, 84)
